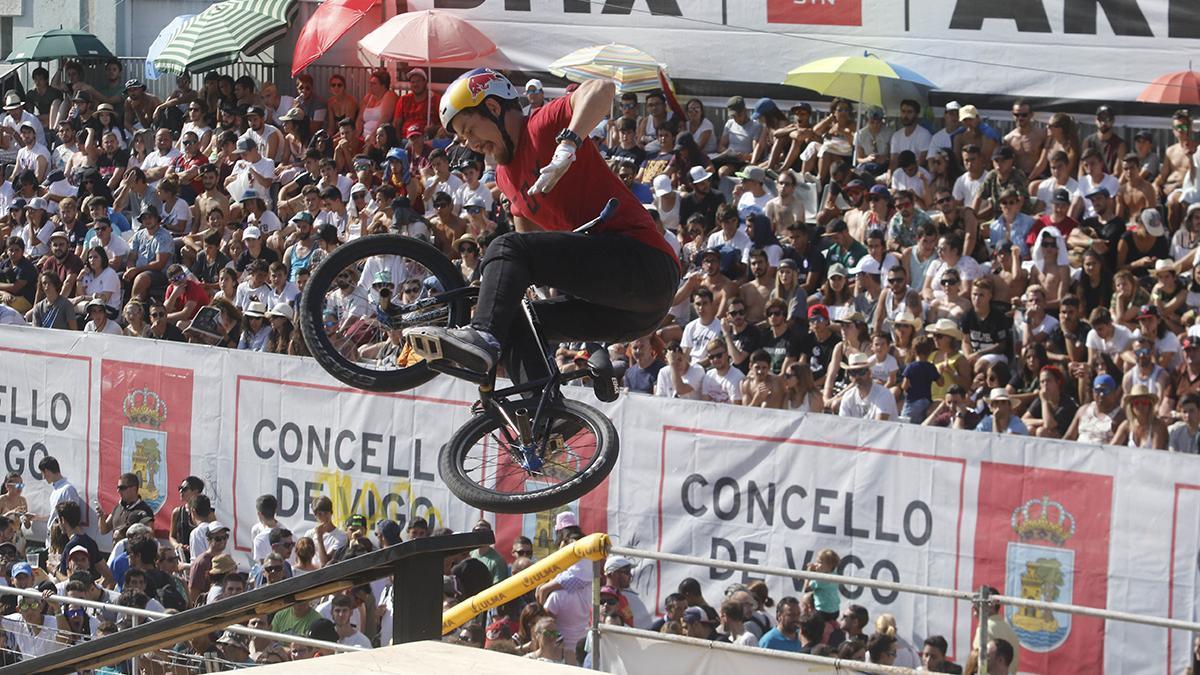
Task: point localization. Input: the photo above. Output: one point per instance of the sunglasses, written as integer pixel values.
(775, 312)
(523, 551)
(736, 312)
(896, 280)
(189, 142)
(273, 569)
(718, 355)
(28, 604)
(411, 289)
(1020, 115)
(608, 601)
(949, 282)
(856, 372)
(124, 487)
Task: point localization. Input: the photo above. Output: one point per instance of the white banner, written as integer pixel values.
(1095, 526)
(624, 654)
(1083, 49)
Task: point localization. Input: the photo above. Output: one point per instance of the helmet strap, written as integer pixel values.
(498, 120)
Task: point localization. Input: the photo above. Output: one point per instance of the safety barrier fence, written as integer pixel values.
(147, 614)
(839, 665)
(979, 600)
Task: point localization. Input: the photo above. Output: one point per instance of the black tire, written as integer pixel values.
(454, 460)
(322, 281)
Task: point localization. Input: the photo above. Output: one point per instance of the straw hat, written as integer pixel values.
(1141, 391)
(856, 361)
(906, 318)
(945, 327)
(998, 394)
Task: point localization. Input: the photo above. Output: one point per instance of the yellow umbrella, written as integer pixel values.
(866, 79)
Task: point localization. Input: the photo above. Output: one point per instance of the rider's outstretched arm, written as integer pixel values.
(589, 104)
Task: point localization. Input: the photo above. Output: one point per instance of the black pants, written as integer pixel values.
(613, 288)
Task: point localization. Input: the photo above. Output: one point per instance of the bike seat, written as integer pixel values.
(604, 383)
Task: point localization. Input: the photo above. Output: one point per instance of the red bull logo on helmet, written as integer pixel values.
(478, 83)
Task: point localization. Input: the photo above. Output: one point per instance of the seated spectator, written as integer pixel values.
(865, 398)
(1001, 420)
(785, 636)
(1142, 427)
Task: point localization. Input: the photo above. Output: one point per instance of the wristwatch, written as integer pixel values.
(568, 135)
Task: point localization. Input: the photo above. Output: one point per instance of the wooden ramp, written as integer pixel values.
(418, 658)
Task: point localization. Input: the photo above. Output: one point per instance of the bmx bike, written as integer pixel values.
(526, 447)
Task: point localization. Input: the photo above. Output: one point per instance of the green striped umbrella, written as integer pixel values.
(630, 68)
(219, 35)
(59, 43)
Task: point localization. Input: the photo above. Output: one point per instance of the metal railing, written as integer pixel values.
(151, 614)
(981, 601)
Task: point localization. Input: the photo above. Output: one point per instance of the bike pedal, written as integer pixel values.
(428, 348)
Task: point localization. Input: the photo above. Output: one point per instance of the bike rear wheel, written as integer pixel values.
(483, 464)
(349, 331)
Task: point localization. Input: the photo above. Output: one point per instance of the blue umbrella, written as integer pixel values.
(160, 43)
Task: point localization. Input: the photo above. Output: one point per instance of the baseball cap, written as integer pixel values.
(533, 85)
(818, 310)
(866, 265)
(388, 530)
(836, 226)
(1104, 383)
(413, 129)
(21, 568)
(251, 232)
(1099, 191)
(735, 103)
(764, 106)
(149, 210)
(837, 270)
(1147, 311)
(968, 112)
(754, 173)
(134, 84)
(616, 562)
(566, 519)
(875, 113)
(1104, 111)
(77, 549)
(1153, 222)
(662, 185)
(1061, 196)
(245, 145)
(217, 526)
(255, 110)
(694, 614)
(1004, 152)
(357, 519)
(952, 105)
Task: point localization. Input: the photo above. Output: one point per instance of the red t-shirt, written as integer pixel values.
(424, 112)
(192, 291)
(583, 190)
(1043, 221)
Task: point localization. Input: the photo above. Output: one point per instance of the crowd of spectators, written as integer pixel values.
(1029, 282)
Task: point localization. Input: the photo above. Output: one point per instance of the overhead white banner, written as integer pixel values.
(1083, 49)
(1096, 526)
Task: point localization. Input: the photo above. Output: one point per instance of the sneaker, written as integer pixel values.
(463, 346)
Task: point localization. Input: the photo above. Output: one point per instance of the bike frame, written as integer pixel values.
(496, 401)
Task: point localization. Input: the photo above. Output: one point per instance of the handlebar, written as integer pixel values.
(607, 212)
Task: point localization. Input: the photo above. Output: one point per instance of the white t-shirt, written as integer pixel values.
(117, 248)
(665, 386)
(903, 181)
(723, 388)
(881, 371)
(1113, 346)
(749, 202)
(26, 116)
(450, 186)
(742, 136)
(334, 539)
(158, 160)
(111, 327)
(268, 222)
(1048, 187)
(917, 141)
(966, 188)
(43, 235)
(879, 401)
(464, 192)
(356, 639)
(741, 240)
(697, 335)
(288, 295)
(573, 610)
(263, 167)
(941, 141)
(1167, 344)
(179, 213)
(1087, 185)
(11, 317)
(27, 158)
(198, 541)
(344, 184)
(968, 270)
(246, 295)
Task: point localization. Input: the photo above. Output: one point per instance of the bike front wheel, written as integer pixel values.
(485, 466)
(355, 333)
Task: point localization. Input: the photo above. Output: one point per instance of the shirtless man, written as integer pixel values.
(1136, 193)
(757, 291)
(955, 304)
(1053, 277)
(972, 134)
(1009, 277)
(710, 277)
(760, 388)
(1175, 169)
(1026, 139)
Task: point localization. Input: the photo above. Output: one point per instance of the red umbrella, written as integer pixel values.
(326, 26)
(428, 38)
(1182, 88)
